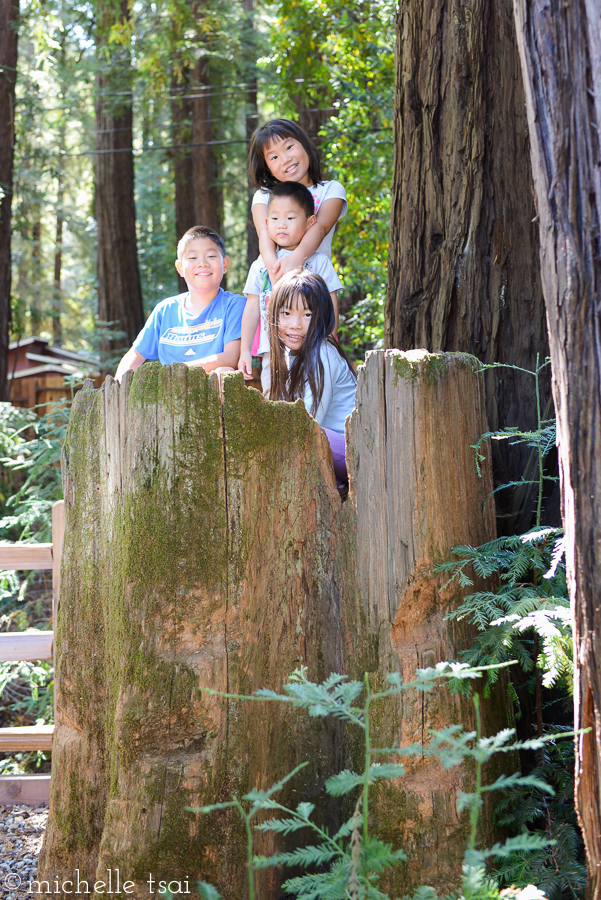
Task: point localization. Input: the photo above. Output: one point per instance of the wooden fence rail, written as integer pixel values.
(31, 645)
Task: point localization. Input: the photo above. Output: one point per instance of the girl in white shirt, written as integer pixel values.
(306, 362)
(281, 151)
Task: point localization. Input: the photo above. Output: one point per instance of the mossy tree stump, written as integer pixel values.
(417, 494)
(201, 550)
(206, 547)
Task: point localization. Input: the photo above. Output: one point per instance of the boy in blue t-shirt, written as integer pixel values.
(201, 327)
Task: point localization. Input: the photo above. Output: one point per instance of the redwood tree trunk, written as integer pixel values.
(9, 17)
(463, 270)
(119, 289)
(251, 119)
(183, 170)
(207, 195)
(560, 49)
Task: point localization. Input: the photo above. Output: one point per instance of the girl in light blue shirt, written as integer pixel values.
(307, 363)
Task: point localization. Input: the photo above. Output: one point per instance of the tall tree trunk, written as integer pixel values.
(560, 50)
(119, 289)
(183, 170)
(9, 18)
(251, 119)
(463, 269)
(207, 195)
(35, 306)
(57, 332)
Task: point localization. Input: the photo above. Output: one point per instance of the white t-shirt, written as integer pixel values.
(326, 190)
(339, 389)
(258, 283)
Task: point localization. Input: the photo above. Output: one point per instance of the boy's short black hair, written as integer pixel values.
(263, 137)
(200, 231)
(301, 195)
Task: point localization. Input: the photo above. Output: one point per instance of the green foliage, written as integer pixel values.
(556, 867)
(32, 449)
(531, 597)
(350, 862)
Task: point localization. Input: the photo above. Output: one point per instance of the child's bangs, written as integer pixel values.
(271, 132)
(297, 295)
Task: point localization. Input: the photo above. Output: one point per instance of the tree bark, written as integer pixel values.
(417, 494)
(35, 306)
(119, 288)
(57, 300)
(9, 20)
(560, 50)
(183, 169)
(251, 119)
(208, 199)
(463, 266)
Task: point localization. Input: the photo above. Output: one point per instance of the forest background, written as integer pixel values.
(152, 104)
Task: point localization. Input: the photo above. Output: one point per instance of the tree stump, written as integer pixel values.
(417, 494)
(200, 551)
(206, 547)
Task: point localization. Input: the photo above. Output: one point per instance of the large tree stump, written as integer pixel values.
(200, 551)
(417, 494)
(206, 547)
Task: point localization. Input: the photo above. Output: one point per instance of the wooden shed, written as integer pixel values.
(37, 371)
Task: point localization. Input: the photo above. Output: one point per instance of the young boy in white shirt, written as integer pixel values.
(201, 327)
(290, 213)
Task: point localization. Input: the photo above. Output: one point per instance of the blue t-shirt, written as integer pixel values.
(172, 334)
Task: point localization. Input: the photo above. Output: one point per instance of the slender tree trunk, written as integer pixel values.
(183, 170)
(463, 270)
(35, 306)
(119, 289)
(9, 18)
(58, 249)
(560, 50)
(207, 195)
(252, 120)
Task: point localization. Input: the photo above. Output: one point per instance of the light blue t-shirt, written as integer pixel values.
(339, 389)
(172, 334)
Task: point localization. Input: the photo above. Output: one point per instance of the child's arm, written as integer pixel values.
(327, 216)
(228, 357)
(250, 320)
(132, 360)
(267, 248)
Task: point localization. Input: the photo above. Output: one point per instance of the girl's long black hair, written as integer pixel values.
(258, 171)
(312, 292)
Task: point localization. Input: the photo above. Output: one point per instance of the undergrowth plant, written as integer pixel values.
(347, 865)
(31, 452)
(30, 482)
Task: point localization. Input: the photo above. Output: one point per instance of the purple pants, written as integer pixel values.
(337, 443)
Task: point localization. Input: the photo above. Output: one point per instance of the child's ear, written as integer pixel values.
(179, 267)
(311, 220)
(226, 264)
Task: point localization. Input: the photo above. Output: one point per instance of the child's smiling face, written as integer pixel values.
(202, 266)
(287, 160)
(293, 324)
(287, 222)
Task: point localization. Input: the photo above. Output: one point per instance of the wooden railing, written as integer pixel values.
(31, 645)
